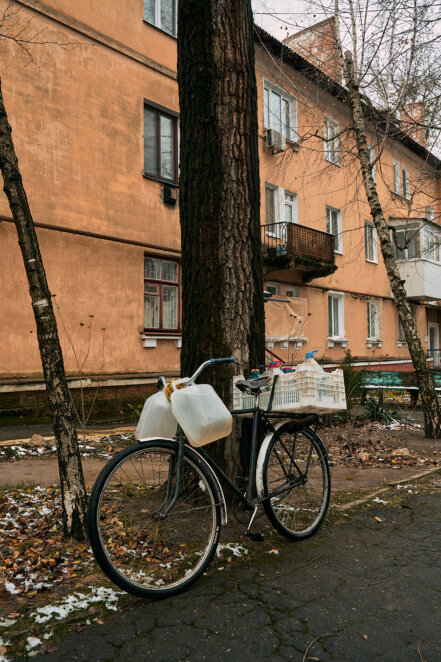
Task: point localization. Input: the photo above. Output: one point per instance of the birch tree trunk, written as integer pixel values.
(424, 376)
(73, 490)
(222, 279)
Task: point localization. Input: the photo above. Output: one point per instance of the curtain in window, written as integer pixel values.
(151, 307)
(152, 268)
(169, 307)
(276, 112)
(270, 206)
(168, 16)
(167, 147)
(150, 140)
(150, 11)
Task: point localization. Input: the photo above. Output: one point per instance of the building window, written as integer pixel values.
(280, 111)
(280, 208)
(406, 242)
(373, 320)
(336, 316)
(334, 226)
(290, 201)
(370, 242)
(431, 244)
(406, 183)
(162, 14)
(401, 180)
(270, 204)
(332, 141)
(160, 144)
(430, 214)
(161, 294)
(292, 292)
(401, 334)
(273, 288)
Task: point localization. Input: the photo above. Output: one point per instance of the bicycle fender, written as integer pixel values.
(224, 515)
(261, 458)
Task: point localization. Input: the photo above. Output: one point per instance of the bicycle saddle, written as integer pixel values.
(253, 386)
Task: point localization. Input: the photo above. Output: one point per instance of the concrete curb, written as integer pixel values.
(391, 483)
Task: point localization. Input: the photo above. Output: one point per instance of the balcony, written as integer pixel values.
(418, 255)
(296, 247)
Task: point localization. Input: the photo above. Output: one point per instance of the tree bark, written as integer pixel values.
(425, 380)
(222, 278)
(73, 491)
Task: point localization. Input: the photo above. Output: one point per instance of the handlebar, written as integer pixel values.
(230, 359)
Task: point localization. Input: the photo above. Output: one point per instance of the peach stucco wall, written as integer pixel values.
(77, 121)
(87, 277)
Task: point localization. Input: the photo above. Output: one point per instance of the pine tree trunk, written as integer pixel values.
(73, 490)
(425, 380)
(222, 281)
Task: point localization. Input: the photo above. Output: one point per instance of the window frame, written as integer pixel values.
(339, 297)
(338, 238)
(157, 24)
(329, 122)
(372, 157)
(279, 204)
(374, 239)
(268, 87)
(373, 304)
(161, 330)
(174, 116)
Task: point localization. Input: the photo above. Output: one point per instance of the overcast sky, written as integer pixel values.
(283, 17)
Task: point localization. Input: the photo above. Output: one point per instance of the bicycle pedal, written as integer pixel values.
(255, 535)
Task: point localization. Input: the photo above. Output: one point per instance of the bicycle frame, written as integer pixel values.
(249, 501)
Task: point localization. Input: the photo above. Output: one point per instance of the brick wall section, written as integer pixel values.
(318, 44)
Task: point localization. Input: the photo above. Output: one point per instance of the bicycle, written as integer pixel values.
(156, 509)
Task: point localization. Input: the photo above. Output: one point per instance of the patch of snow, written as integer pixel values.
(7, 622)
(377, 500)
(32, 643)
(75, 602)
(10, 587)
(234, 548)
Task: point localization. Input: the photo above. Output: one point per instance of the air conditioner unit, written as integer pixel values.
(275, 140)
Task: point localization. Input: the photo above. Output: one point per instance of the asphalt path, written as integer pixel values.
(361, 591)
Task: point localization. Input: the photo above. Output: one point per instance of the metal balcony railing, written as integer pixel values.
(435, 355)
(292, 239)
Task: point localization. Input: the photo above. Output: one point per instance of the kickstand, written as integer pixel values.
(254, 535)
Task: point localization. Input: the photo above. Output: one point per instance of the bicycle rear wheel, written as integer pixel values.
(297, 481)
(139, 550)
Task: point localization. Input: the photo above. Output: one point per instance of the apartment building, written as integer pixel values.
(95, 126)
(320, 245)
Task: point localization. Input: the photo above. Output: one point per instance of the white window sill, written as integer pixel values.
(374, 341)
(150, 341)
(401, 343)
(372, 261)
(336, 163)
(337, 341)
(338, 252)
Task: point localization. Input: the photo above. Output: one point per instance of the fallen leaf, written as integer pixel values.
(378, 520)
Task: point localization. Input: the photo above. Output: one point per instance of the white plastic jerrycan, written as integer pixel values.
(156, 418)
(201, 414)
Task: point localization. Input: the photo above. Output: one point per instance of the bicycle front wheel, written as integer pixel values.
(296, 481)
(143, 549)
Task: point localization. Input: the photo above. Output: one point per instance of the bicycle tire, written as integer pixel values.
(301, 490)
(139, 552)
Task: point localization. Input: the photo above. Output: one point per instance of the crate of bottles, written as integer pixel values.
(307, 391)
